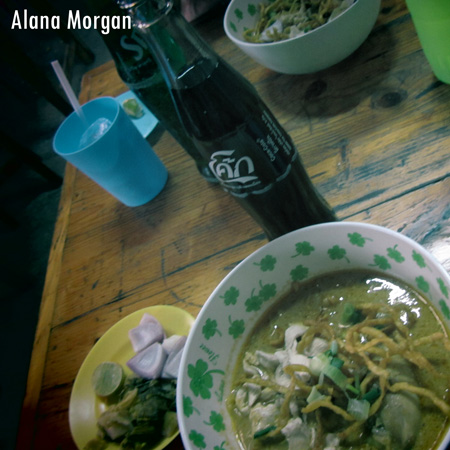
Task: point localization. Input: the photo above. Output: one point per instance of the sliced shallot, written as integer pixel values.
(146, 333)
(172, 365)
(148, 363)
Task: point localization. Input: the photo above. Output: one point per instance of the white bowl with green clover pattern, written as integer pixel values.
(256, 283)
(313, 51)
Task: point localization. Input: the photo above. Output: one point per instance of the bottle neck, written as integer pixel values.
(146, 12)
(174, 43)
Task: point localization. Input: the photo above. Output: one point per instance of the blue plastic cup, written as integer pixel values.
(120, 160)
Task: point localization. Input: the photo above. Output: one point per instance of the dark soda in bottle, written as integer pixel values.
(249, 152)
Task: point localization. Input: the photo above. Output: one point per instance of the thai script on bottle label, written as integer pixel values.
(238, 173)
(230, 169)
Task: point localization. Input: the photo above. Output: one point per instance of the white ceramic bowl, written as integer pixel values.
(311, 52)
(224, 323)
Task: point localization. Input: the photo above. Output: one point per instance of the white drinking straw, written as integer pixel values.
(68, 89)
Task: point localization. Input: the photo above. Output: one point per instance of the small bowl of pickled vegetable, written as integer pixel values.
(300, 36)
(334, 336)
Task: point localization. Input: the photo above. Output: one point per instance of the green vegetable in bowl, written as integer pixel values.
(144, 415)
(154, 399)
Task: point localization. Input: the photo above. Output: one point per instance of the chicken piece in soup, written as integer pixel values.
(348, 360)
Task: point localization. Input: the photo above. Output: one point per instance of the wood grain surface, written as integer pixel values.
(374, 134)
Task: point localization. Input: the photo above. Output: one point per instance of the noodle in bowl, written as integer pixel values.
(317, 49)
(242, 299)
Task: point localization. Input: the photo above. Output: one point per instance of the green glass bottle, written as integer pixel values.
(249, 152)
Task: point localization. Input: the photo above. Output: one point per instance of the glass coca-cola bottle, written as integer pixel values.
(139, 71)
(249, 152)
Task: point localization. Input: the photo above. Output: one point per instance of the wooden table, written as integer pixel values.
(374, 135)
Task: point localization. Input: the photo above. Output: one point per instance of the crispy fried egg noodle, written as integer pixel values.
(285, 19)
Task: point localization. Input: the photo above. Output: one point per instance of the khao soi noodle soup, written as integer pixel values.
(349, 360)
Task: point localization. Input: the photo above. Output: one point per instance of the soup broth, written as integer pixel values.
(353, 360)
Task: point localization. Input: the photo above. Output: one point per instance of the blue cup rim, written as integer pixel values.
(74, 114)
